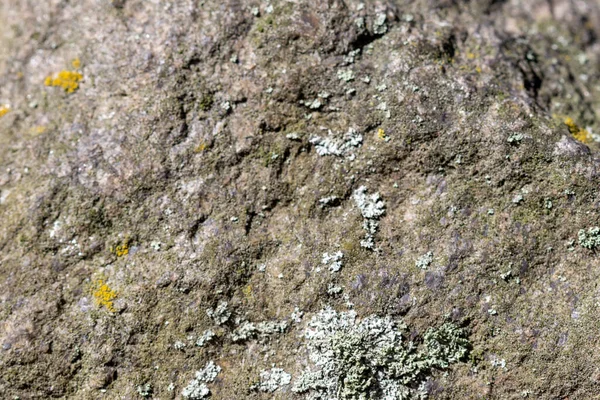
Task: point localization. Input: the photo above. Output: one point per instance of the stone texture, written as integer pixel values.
(175, 144)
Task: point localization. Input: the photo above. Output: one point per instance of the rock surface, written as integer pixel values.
(161, 178)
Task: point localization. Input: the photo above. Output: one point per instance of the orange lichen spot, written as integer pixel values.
(122, 249)
(104, 295)
(76, 63)
(68, 80)
(20, 75)
(578, 133)
(4, 110)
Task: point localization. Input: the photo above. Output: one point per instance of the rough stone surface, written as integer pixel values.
(179, 174)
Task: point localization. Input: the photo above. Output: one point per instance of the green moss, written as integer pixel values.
(264, 23)
(206, 102)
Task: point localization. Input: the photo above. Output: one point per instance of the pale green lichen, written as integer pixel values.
(206, 337)
(334, 290)
(273, 379)
(145, 390)
(345, 75)
(371, 358)
(220, 314)
(197, 389)
(297, 315)
(260, 331)
(515, 138)
(332, 146)
(379, 25)
(425, 260)
(372, 208)
(589, 239)
(333, 261)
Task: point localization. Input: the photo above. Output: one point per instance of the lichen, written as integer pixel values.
(578, 133)
(122, 249)
(425, 260)
(68, 80)
(356, 359)
(515, 138)
(104, 295)
(145, 390)
(331, 146)
(4, 110)
(381, 135)
(372, 208)
(333, 289)
(297, 315)
(379, 25)
(273, 379)
(333, 261)
(345, 75)
(261, 331)
(197, 388)
(201, 147)
(206, 337)
(219, 314)
(589, 239)
(326, 201)
(76, 63)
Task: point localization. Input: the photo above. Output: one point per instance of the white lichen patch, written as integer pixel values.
(379, 25)
(325, 201)
(345, 75)
(261, 331)
(350, 57)
(226, 106)
(371, 358)
(333, 261)
(333, 289)
(339, 147)
(144, 390)
(273, 379)
(197, 388)
(315, 104)
(206, 337)
(589, 239)
(372, 208)
(179, 345)
(297, 315)
(220, 314)
(425, 260)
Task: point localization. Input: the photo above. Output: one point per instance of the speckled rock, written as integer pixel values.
(158, 159)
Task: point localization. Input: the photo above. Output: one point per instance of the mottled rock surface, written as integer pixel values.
(169, 183)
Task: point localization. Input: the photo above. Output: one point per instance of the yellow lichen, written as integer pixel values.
(104, 295)
(76, 63)
(471, 56)
(68, 80)
(578, 133)
(122, 249)
(38, 130)
(381, 134)
(201, 147)
(247, 291)
(4, 110)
